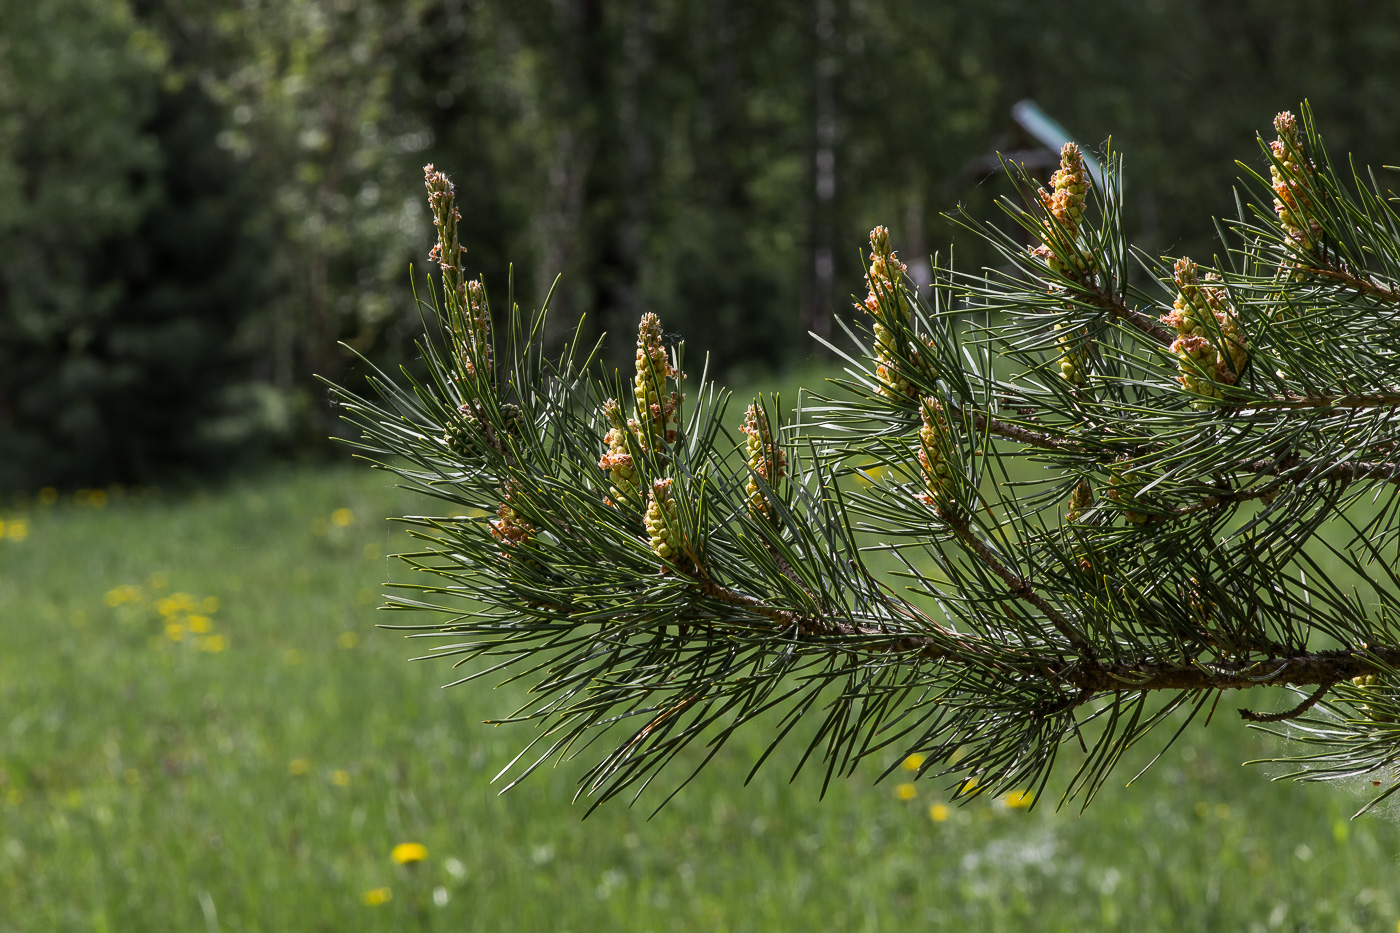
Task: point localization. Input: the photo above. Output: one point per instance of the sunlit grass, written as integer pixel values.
(300, 773)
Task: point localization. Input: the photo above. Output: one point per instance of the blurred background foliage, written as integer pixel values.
(198, 199)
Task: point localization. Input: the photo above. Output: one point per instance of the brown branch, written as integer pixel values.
(811, 625)
(1301, 669)
(786, 569)
(1017, 585)
(1142, 322)
(944, 645)
(1294, 713)
(1087, 676)
(1085, 673)
(1295, 402)
(1016, 432)
(1357, 283)
(1230, 498)
(1286, 470)
(1344, 472)
(1092, 294)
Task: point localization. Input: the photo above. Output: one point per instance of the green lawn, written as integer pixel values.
(202, 729)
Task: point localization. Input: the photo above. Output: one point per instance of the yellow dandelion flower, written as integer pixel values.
(212, 643)
(406, 853)
(175, 602)
(17, 529)
(1019, 799)
(209, 605)
(48, 495)
(914, 762)
(376, 896)
(906, 791)
(939, 812)
(340, 778)
(340, 518)
(200, 625)
(175, 631)
(121, 595)
(298, 766)
(97, 498)
(348, 640)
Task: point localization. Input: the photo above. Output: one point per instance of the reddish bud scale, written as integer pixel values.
(663, 524)
(765, 458)
(466, 301)
(1211, 348)
(655, 405)
(887, 302)
(509, 527)
(1064, 210)
(1291, 175)
(933, 454)
(617, 460)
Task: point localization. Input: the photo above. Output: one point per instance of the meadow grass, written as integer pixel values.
(202, 729)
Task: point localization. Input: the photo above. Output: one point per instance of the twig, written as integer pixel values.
(1365, 286)
(1142, 323)
(1294, 713)
(1016, 432)
(1345, 471)
(1294, 402)
(1017, 585)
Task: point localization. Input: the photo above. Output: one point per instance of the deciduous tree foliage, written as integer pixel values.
(1049, 507)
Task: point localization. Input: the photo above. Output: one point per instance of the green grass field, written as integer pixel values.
(202, 729)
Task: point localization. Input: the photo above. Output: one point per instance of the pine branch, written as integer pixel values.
(1016, 585)
(1100, 505)
(1360, 284)
(1022, 434)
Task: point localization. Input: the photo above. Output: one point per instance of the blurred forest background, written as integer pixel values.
(199, 198)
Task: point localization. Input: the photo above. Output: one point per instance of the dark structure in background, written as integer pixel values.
(714, 161)
(1034, 144)
(1031, 145)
